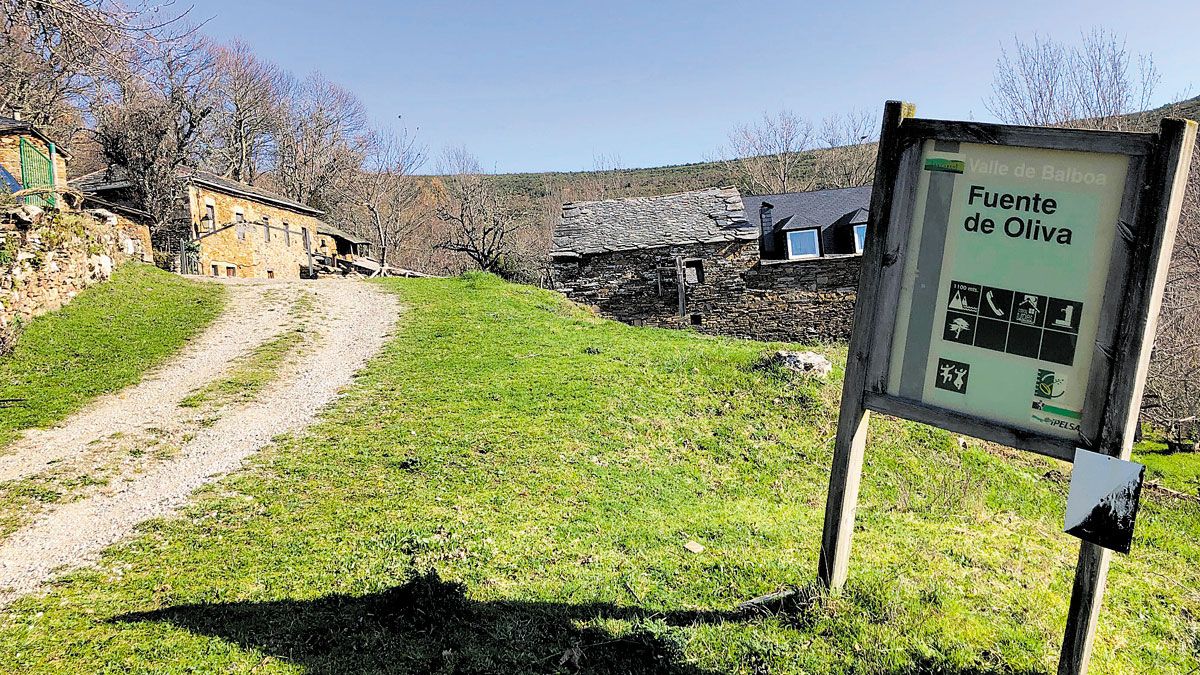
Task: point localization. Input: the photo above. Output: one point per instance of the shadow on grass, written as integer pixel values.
(428, 625)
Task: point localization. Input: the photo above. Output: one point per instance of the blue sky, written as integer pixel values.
(530, 86)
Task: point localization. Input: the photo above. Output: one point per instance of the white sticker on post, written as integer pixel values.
(1103, 502)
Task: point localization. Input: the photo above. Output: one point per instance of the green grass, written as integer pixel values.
(1178, 471)
(105, 339)
(509, 488)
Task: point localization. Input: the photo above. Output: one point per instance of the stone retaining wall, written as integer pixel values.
(45, 263)
(739, 295)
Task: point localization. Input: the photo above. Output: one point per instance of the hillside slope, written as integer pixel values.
(101, 342)
(510, 487)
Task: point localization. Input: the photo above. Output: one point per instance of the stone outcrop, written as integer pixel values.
(810, 364)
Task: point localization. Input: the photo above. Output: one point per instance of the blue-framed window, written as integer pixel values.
(804, 244)
(860, 237)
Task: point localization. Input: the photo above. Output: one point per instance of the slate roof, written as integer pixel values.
(699, 216)
(114, 178)
(10, 125)
(822, 208)
(325, 228)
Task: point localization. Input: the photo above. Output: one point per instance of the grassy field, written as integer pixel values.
(104, 340)
(510, 487)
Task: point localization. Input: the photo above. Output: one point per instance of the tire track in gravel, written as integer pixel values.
(353, 320)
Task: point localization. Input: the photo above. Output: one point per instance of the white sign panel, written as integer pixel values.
(1102, 505)
(1009, 255)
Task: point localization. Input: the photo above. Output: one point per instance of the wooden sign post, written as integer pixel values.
(1011, 282)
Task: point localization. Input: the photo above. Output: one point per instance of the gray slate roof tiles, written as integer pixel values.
(812, 209)
(699, 216)
(116, 177)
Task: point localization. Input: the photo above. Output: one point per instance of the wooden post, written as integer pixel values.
(681, 285)
(1151, 256)
(853, 418)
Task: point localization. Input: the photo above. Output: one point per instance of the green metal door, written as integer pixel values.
(36, 171)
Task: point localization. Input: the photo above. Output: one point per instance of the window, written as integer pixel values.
(240, 218)
(231, 271)
(266, 228)
(804, 244)
(697, 320)
(287, 234)
(210, 214)
(215, 273)
(270, 274)
(860, 237)
(693, 271)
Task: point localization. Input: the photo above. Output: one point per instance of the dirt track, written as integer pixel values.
(345, 322)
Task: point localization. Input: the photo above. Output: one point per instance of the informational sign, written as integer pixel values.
(1000, 298)
(1103, 503)
(1011, 281)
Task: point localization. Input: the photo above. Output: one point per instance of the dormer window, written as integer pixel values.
(860, 237)
(804, 243)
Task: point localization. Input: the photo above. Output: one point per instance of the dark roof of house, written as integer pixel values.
(114, 177)
(10, 125)
(822, 208)
(130, 211)
(325, 228)
(699, 216)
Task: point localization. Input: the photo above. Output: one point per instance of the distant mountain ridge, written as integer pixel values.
(657, 180)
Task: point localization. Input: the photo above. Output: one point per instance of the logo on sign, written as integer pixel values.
(947, 165)
(1049, 385)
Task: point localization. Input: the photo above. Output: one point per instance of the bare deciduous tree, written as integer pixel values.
(57, 55)
(250, 95)
(157, 122)
(767, 156)
(321, 143)
(847, 158)
(1172, 399)
(387, 192)
(480, 223)
(1094, 84)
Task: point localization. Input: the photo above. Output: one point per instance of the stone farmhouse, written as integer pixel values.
(230, 229)
(769, 267)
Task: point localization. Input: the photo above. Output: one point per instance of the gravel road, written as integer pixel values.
(351, 321)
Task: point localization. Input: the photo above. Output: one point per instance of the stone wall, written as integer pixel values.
(46, 262)
(739, 295)
(281, 256)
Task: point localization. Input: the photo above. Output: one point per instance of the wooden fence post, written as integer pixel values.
(1151, 257)
(853, 418)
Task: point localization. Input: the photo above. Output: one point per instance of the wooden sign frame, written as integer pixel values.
(1148, 217)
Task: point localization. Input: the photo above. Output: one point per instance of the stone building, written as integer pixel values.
(339, 252)
(30, 160)
(695, 260)
(227, 228)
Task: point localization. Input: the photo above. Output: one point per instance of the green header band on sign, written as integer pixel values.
(947, 165)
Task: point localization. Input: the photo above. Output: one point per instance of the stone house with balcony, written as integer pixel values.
(30, 160)
(227, 228)
(695, 259)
